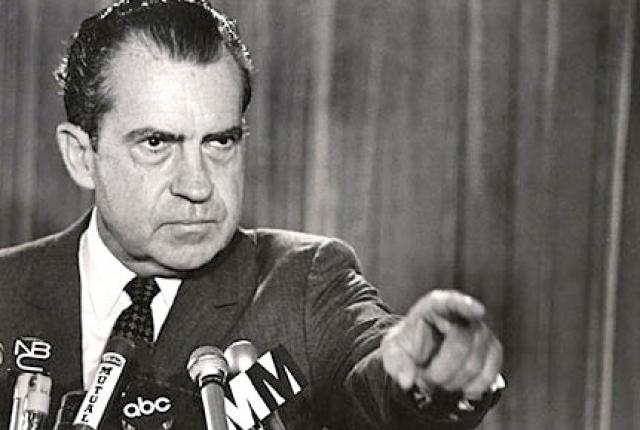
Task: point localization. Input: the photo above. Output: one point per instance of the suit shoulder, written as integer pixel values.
(62, 242)
(19, 263)
(26, 250)
(277, 248)
(280, 241)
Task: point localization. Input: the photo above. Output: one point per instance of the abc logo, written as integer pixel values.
(146, 407)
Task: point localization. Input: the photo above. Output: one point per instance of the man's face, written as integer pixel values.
(169, 167)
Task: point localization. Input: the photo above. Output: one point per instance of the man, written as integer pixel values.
(155, 93)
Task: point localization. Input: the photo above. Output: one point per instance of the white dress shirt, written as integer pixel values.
(102, 297)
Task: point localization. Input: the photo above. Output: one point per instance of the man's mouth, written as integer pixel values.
(193, 222)
(191, 230)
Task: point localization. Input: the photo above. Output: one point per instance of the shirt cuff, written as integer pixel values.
(454, 407)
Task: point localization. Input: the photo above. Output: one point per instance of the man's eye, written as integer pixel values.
(154, 143)
(220, 148)
(221, 142)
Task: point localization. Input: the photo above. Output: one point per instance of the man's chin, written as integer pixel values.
(172, 261)
(181, 264)
(175, 257)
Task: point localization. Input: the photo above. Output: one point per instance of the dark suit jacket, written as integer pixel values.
(272, 287)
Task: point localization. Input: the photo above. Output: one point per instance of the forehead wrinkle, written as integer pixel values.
(141, 47)
(193, 112)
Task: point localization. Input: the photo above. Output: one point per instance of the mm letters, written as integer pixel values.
(273, 380)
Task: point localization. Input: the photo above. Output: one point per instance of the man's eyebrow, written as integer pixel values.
(140, 133)
(234, 132)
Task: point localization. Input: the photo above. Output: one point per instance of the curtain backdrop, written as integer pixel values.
(484, 145)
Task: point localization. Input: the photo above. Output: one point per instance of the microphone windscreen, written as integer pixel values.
(240, 355)
(207, 362)
(69, 406)
(151, 404)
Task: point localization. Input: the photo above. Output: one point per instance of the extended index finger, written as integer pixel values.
(450, 305)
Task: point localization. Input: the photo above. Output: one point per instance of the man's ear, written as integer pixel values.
(77, 153)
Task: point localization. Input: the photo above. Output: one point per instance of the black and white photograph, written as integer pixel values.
(319, 214)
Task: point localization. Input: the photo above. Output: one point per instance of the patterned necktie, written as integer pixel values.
(136, 321)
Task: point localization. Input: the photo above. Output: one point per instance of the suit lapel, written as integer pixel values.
(207, 306)
(54, 302)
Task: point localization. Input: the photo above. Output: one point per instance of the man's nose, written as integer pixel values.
(192, 181)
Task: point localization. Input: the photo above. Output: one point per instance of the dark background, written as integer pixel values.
(489, 146)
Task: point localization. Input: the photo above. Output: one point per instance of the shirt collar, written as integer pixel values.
(107, 276)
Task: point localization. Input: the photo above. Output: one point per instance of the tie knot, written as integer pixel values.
(142, 290)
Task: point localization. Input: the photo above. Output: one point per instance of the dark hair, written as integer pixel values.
(189, 30)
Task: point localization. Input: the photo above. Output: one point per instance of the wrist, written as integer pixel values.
(454, 406)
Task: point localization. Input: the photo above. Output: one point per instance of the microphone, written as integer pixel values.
(32, 387)
(208, 370)
(20, 390)
(241, 355)
(149, 404)
(254, 394)
(107, 384)
(37, 402)
(69, 406)
(31, 397)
